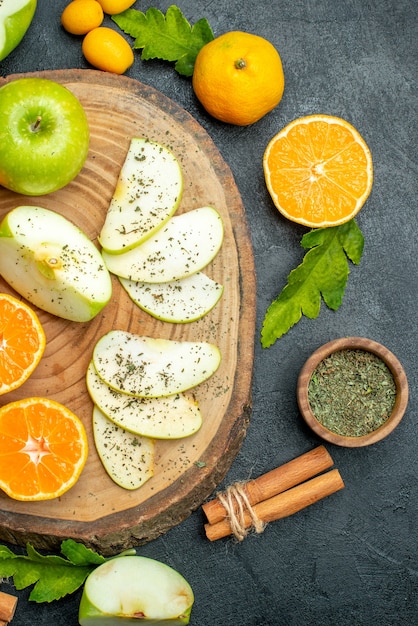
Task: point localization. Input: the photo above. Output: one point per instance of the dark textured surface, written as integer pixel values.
(351, 559)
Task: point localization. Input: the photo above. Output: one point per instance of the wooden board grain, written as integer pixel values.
(96, 511)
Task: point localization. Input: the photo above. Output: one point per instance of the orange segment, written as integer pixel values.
(22, 342)
(318, 171)
(43, 449)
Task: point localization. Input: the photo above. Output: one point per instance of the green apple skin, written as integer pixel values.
(44, 136)
(51, 263)
(135, 590)
(15, 19)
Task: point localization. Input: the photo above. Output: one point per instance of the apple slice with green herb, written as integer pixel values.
(179, 301)
(151, 368)
(126, 457)
(53, 264)
(135, 590)
(183, 246)
(147, 194)
(170, 417)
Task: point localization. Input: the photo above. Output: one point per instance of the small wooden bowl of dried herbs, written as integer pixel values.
(352, 392)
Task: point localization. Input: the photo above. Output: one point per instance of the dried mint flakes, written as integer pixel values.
(352, 392)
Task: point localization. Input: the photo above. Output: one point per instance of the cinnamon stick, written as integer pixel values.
(284, 504)
(7, 607)
(276, 481)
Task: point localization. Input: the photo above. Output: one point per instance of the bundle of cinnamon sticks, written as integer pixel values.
(277, 494)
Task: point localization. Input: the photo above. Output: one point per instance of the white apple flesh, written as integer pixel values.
(52, 263)
(135, 590)
(182, 247)
(127, 458)
(148, 367)
(180, 301)
(147, 194)
(15, 19)
(44, 136)
(170, 417)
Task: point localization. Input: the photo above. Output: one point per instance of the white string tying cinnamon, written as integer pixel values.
(236, 503)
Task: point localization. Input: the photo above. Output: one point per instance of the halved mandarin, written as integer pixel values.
(22, 342)
(43, 449)
(318, 170)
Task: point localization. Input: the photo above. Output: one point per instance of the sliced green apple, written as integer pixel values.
(135, 590)
(150, 368)
(15, 19)
(127, 458)
(179, 301)
(183, 246)
(147, 194)
(52, 263)
(170, 417)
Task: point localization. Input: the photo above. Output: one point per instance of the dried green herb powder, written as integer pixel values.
(352, 392)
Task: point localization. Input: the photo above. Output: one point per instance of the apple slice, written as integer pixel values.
(171, 417)
(52, 263)
(126, 457)
(135, 590)
(183, 246)
(15, 19)
(151, 368)
(179, 301)
(147, 194)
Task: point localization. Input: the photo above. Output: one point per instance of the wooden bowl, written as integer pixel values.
(353, 343)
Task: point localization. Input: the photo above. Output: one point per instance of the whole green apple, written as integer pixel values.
(44, 136)
(15, 19)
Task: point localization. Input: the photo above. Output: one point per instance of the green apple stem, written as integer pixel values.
(35, 126)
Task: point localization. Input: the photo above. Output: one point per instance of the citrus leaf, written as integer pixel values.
(79, 554)
(323, 273)
(53, 576)
(168, 37)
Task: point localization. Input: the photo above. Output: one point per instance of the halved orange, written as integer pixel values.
(43, 449)
(318, 171)
(22, 342)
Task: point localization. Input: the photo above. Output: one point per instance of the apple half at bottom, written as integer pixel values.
(151, 368)
(135, 590)
(171, 417)
(183, 246)
(53, 264)
(177, 301)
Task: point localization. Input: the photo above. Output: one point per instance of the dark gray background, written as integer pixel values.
(351, 559)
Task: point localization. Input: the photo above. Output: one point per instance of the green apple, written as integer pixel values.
(170, 417)
(147, 194)
(44, 136)
(53, 264)
(183, 246)
(135, 590)
(149, 367)
(15, 19)
(179, 301)
(127, 458)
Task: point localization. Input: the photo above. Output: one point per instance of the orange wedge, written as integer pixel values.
(22, 342)
(43, 449)
(318, 171)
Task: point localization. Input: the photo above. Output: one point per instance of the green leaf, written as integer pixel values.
(323, 273)
(52, 576)
(78, 554)
(169, 38)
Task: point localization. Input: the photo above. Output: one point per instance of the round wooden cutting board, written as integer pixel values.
(96, 511)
